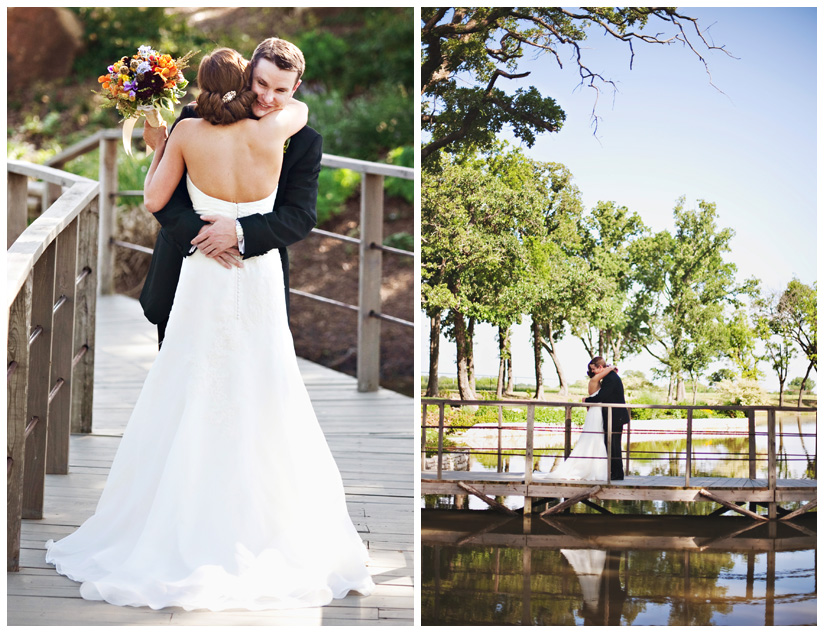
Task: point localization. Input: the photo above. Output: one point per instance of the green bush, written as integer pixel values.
(334, 189)
(367, 126)
(401, 240)
(110, 33)
(401, 187)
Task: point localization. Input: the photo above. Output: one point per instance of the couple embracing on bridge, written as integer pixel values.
(588, 459)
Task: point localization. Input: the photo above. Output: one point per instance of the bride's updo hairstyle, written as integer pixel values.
(223, 78)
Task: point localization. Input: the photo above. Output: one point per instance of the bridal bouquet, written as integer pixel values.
(143, 84)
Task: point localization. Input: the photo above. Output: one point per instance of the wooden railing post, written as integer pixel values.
(568, 431)
(752, 444)
(423, 435)
(57, 456)
(51, 192)
(498, 444)
(83, 363)
(772, 462)
(609, 443)
(528, 457)
(689, 447)
(16, 206)
(108, 186)
(440, 459)
(40, 349)
(369, 282)
(17, 356)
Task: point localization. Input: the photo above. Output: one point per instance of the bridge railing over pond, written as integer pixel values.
(370, 242)
(433, 443)
(51, 290)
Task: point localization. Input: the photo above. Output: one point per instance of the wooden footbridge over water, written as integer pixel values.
(548, 495)
(76, 363)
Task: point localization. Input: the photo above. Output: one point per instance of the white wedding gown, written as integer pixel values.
(223, 493)
(588, 458)
(589, 566)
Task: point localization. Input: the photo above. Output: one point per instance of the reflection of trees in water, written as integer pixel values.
(689, 582)
(487, 585)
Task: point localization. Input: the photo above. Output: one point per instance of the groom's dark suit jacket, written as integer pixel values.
(291, 220)
(611, 391)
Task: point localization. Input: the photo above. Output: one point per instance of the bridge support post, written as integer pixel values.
(369, 274)
(108, 186)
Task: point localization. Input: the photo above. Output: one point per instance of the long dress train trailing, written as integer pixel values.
(223, 493)
(588, 458)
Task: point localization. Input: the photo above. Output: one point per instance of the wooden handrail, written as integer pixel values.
(50, 340)
(528, 428)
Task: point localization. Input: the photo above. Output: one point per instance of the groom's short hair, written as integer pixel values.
(285, 55)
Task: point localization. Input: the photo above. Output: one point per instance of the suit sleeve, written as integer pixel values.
(295, 216)
(607, 391)
(178, 217)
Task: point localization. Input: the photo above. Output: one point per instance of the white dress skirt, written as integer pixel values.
(223, 493)
(588, 458)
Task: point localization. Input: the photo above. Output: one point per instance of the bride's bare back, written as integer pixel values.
(232, 162)
(239, 162)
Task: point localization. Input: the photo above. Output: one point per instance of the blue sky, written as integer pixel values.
(667, 132)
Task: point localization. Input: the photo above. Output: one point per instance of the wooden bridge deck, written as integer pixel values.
(370, 435)
(659, 487)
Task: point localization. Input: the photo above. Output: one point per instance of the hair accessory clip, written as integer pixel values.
(228, 96)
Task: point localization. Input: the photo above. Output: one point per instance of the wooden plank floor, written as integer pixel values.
(370, 435)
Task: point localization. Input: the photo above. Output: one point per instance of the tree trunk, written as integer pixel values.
(537, 360)
(804, 380)
(502, 360)
(511, 381)
(616, 345)
(465, 392)
(680, 390)
(781, 389)
(471, 367)
(601, 343)
(435, 340)
(695, 382)
(550, 346)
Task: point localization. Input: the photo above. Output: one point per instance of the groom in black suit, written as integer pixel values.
(611, 391)
(276, 69)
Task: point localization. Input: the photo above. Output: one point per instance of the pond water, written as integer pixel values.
(480, 568)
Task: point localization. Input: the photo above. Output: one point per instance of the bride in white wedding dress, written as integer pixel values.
(588, 458)
(206, 502)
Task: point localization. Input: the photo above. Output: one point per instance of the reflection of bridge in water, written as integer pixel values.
(556, 495)
(633, 570)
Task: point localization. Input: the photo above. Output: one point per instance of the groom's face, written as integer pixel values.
(274, 87)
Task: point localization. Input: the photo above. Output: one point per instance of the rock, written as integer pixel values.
(41, 44)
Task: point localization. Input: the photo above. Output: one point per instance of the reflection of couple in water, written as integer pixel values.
(588, 459)
(598, 574)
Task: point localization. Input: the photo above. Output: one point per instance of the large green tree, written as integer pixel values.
(467, 53)
(797, 311)
(475, 213)
(559, 288)
(775, 336)
(684, 285)
(608, 327)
